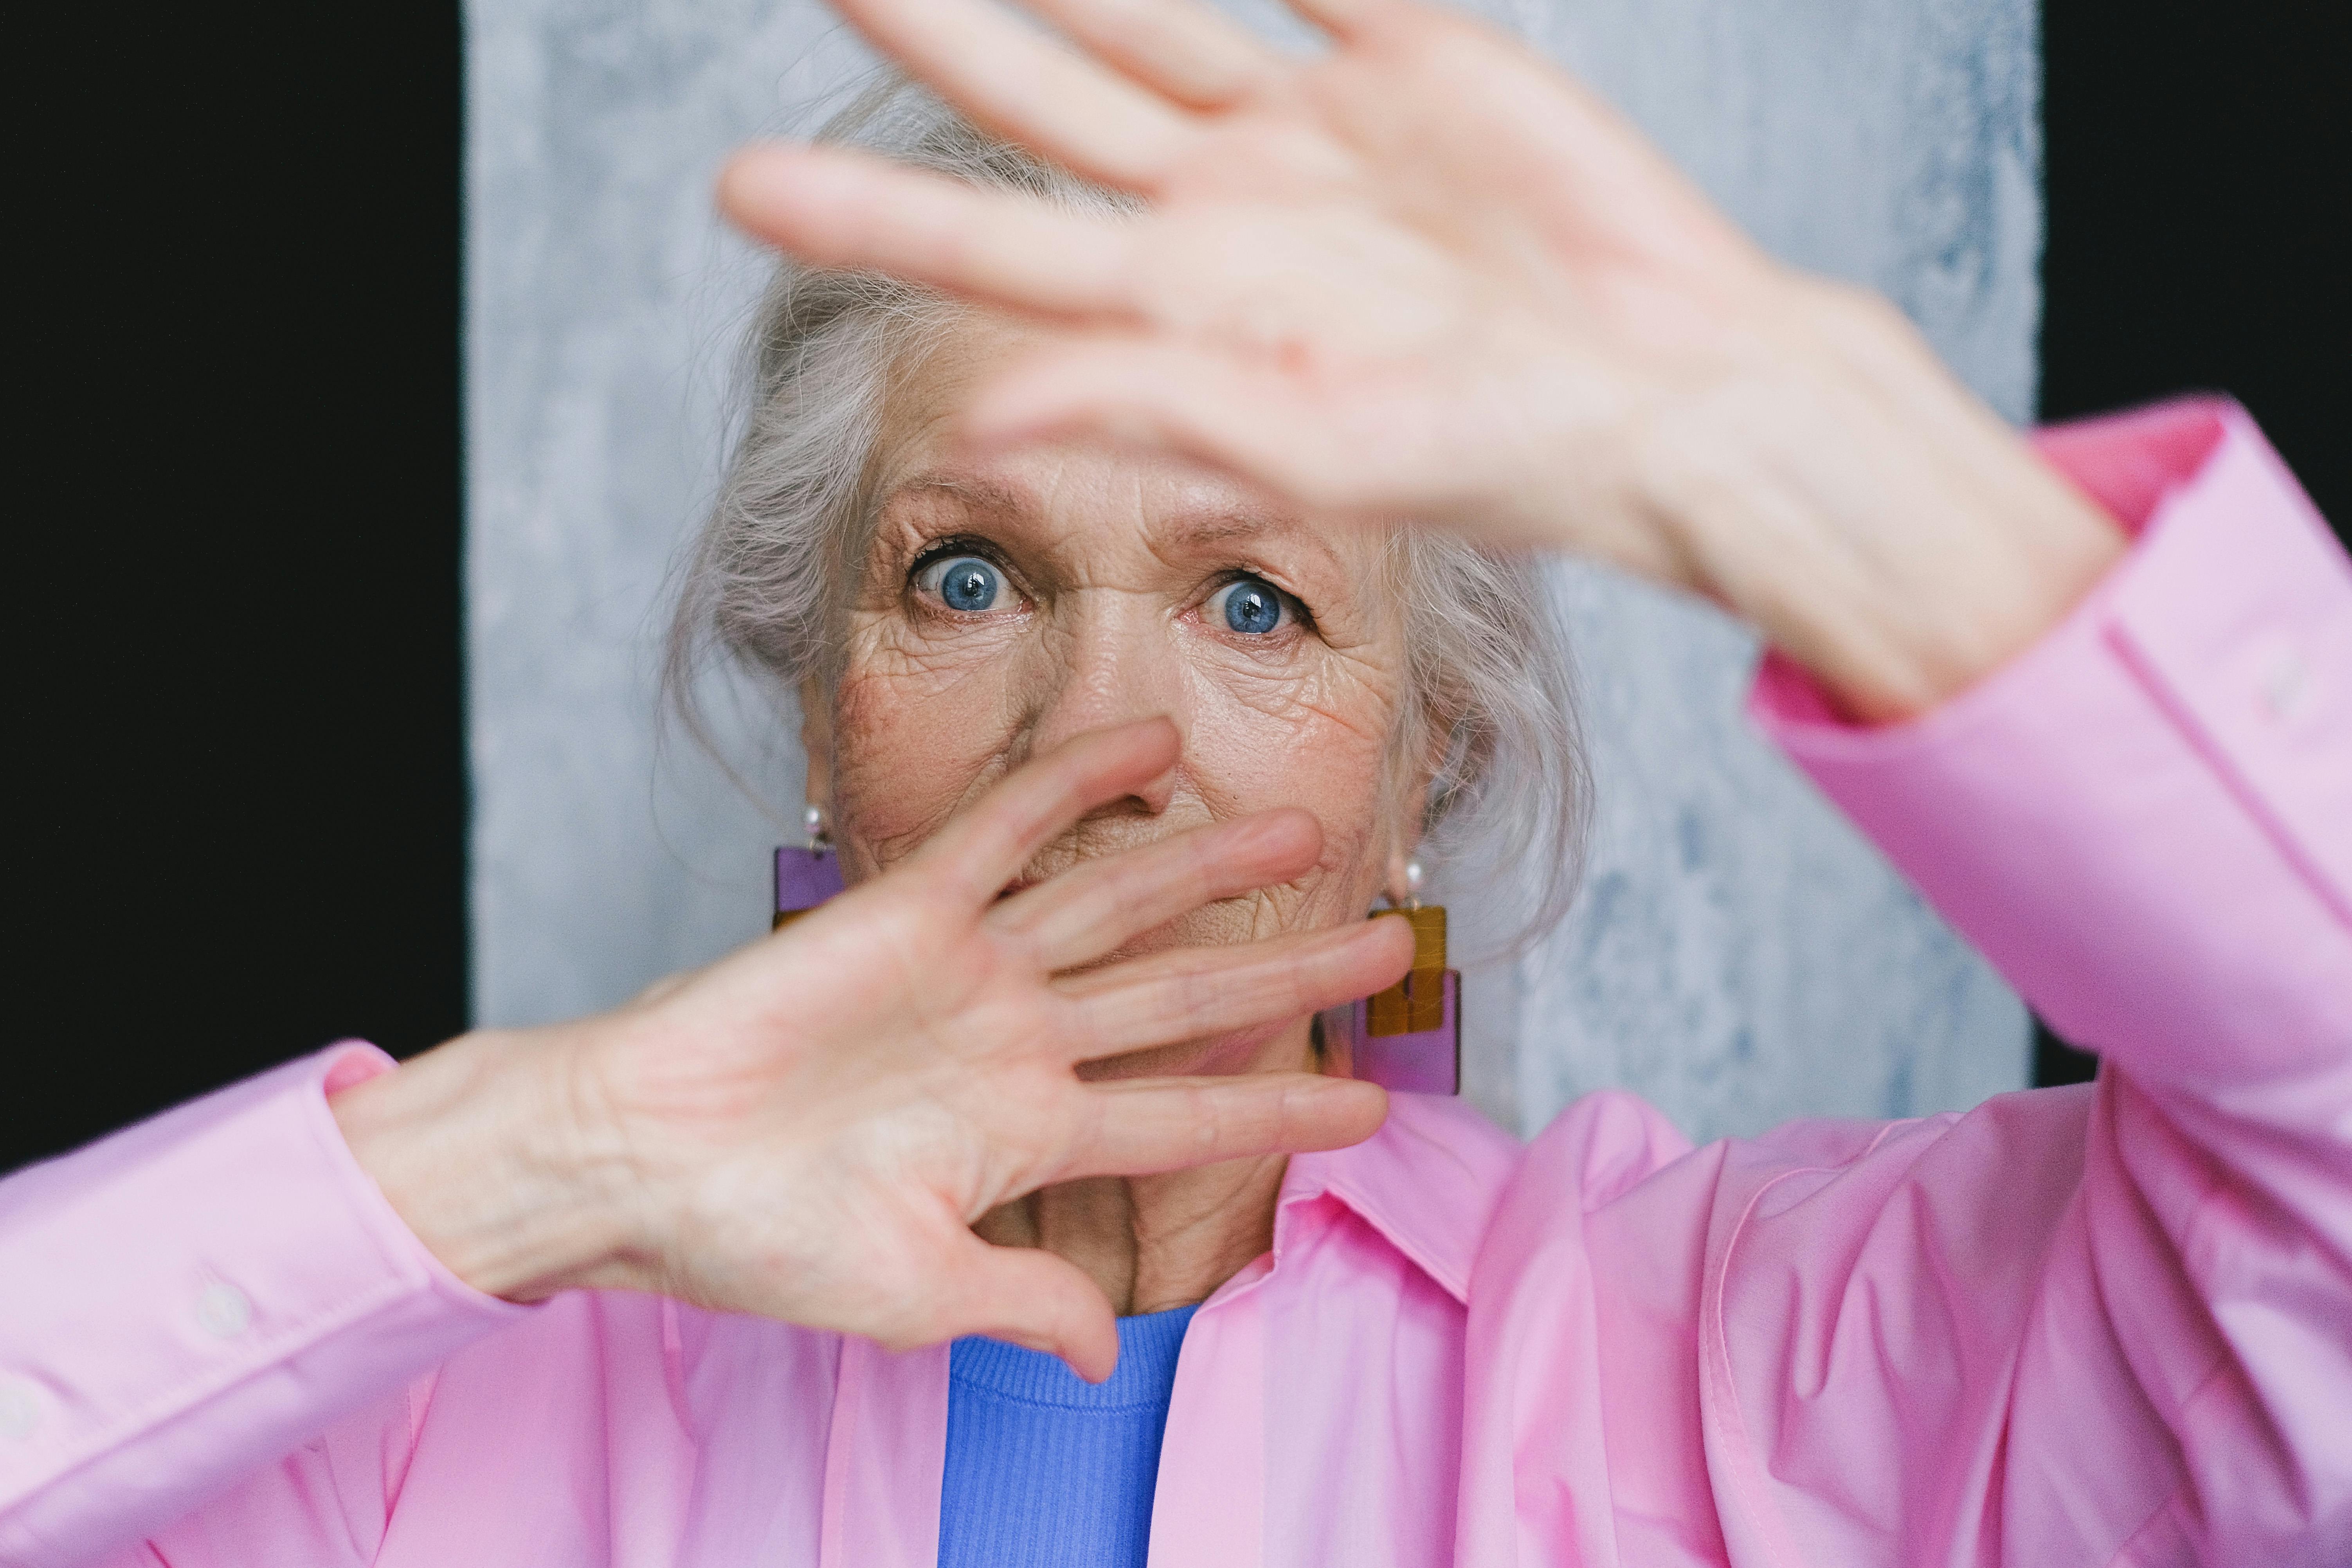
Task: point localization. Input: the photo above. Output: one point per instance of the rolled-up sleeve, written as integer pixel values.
(2136, 1305)
(2146, 821)
(190, 1300)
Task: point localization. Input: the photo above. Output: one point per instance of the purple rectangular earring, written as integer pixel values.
(806, 878)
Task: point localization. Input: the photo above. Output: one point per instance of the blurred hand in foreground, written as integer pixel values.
(809, 1128)
(1425, 276)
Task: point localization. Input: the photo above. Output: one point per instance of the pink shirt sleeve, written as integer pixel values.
(185, 1303)
(2104, 1324)
(2117, 1324)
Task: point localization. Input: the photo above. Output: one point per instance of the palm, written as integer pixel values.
(820, 1118)
(1420, 274)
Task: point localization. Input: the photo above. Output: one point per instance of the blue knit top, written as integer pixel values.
(1047, 1470)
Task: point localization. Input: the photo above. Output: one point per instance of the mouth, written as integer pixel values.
(1018, 885)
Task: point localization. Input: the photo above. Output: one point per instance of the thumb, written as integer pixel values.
(1031, 1298)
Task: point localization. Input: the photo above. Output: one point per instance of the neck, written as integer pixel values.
(1166, 1240)
(1150, 1241)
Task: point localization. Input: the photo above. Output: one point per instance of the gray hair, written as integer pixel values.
(766, 580)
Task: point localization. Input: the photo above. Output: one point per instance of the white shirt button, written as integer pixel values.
(2285, 679)
(20, 1409)
(223, 1311)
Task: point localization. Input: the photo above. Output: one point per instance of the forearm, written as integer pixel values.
(484, 1147)
(2135, 821)
(1876, 522)
(184, 1302)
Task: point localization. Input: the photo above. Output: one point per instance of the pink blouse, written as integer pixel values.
(2092, 1325)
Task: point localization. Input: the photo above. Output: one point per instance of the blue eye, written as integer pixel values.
(1251, 605)
(963, 583)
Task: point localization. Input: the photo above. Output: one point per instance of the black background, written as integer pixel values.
(238, 694)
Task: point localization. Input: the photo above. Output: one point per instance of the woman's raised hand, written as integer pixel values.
(1391, 278)
(1424, 275)
(809, 1128)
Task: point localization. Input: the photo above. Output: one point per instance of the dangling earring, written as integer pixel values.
(807, 877)
(1408, 1038)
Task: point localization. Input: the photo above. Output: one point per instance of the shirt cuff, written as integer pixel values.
(2145, 821)
(196, 1297)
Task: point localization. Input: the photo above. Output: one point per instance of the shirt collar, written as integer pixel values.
(1426, 1181)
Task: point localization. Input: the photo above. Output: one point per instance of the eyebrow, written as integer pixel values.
(1197, 528)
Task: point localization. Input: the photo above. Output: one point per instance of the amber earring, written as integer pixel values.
(1407, 1039)
(808, 875)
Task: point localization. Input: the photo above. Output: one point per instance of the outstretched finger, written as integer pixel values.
(986, 847)
(1137, 1127)
(1343, 18)
(842, 208)
(1195, 993)
(1029, 1296)
(1190, 52)
(1014, 80)
(1091, 909)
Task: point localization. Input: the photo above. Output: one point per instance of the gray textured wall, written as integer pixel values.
(1737, 955)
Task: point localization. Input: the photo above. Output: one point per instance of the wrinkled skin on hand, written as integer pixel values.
(809, 1128)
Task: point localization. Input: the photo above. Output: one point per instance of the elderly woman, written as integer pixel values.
(1069, 504)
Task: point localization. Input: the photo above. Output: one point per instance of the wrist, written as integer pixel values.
(483, 1148)
(1866, 512)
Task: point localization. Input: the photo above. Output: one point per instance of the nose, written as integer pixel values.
(1108, 658)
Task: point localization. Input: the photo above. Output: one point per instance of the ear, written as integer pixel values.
(1411, 811)
(817, 744)
(1412, 805)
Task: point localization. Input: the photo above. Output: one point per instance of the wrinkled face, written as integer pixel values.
(1009, 602)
